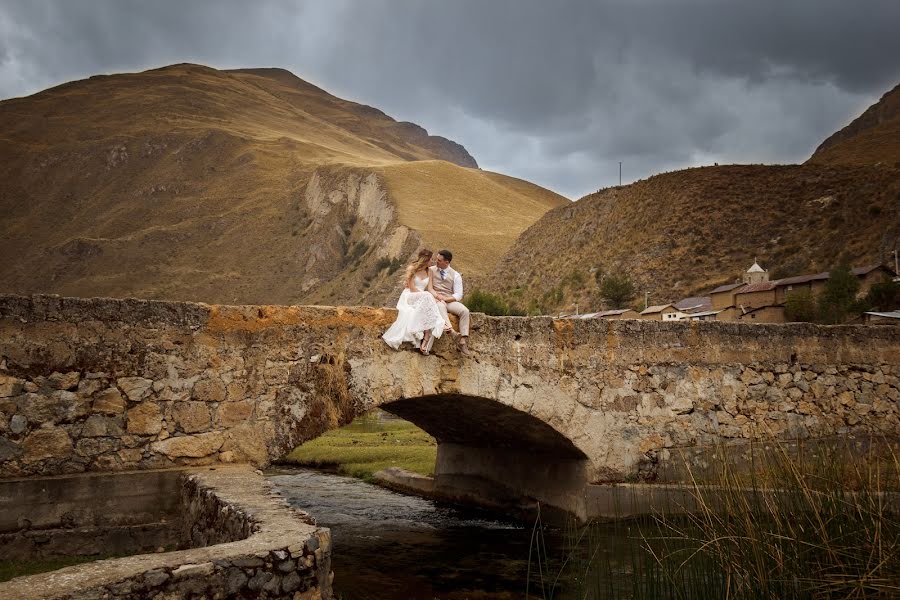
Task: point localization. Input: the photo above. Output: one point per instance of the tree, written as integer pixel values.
(800, 306)
(617, 289)
(884, 295)
(839, 295)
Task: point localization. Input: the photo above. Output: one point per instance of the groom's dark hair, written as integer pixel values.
(446, 254)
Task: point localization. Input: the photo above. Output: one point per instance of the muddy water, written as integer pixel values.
(389, 545)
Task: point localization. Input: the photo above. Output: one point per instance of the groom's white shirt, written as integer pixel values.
(455, 277)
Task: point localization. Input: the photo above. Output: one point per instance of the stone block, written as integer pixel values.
(230, 414)
(9, 450)
(235, 390)
(259, 580)
(10, 386)
(209, 390)
(247, 443)
(145, 419)
(249, 562)
(109, 402)
(64, 381)
(235, 581)
(100, 426)
(199, 570)
(37, 408)
(193, 446)
(47, 442)
(95, 446)
(191, 417)
(135, 388)
(18, 424)
(90, 386)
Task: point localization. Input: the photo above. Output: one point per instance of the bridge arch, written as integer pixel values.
(493, 454)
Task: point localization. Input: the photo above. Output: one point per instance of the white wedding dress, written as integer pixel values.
(417, 312)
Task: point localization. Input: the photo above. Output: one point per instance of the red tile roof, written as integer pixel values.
(762, 286)
(726, 287)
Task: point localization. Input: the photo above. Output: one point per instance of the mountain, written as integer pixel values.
(683, 233)
(871, 138)
(243, 186)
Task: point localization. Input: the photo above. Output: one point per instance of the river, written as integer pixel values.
(393, 546)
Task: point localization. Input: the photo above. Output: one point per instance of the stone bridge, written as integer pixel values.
(543, 407)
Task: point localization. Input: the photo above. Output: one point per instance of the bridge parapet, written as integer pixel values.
(104, 384)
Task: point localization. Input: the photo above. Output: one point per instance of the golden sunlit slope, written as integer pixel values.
(191, 183)
(436, 197)
(872, 138)
(680, 234)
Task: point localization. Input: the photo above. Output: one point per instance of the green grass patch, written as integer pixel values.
(369, 444)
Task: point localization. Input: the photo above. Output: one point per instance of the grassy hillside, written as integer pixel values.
(247, 186)
(872, 138)
(682, 233)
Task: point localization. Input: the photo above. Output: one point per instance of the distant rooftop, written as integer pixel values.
(655, 309)
(762, 286)
(725, 288)
(694, 304)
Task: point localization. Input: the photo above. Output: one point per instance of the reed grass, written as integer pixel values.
(800, 523)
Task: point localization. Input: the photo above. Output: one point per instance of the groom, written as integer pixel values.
(448, 288)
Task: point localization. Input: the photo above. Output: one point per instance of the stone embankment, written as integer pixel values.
(244, 542)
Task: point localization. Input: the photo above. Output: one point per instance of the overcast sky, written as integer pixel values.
(553, 91)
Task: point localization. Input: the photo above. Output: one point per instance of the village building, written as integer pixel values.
(882, 318)
(759, 300)
(661, 312)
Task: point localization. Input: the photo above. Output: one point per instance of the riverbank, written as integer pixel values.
(371, 443)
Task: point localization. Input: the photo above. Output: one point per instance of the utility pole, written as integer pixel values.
(896, 270)
(620, 179)
(646, 300)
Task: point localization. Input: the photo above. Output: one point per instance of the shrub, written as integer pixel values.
(357, 251)
(553, 297)
(382, 263)
(575, 280)
(395, 264)
(489, 304)
(800, 306)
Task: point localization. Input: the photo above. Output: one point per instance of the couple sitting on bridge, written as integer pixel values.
(430, 292)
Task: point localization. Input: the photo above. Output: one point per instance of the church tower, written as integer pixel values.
(755, 274)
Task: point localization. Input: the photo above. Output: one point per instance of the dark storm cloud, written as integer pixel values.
(554, 92)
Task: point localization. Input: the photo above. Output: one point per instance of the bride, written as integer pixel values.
(419, 320)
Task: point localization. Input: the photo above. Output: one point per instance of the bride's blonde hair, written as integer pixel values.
(423, 261)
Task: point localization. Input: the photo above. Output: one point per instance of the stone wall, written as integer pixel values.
(102, 384)
(259, 548)
(89, 514)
